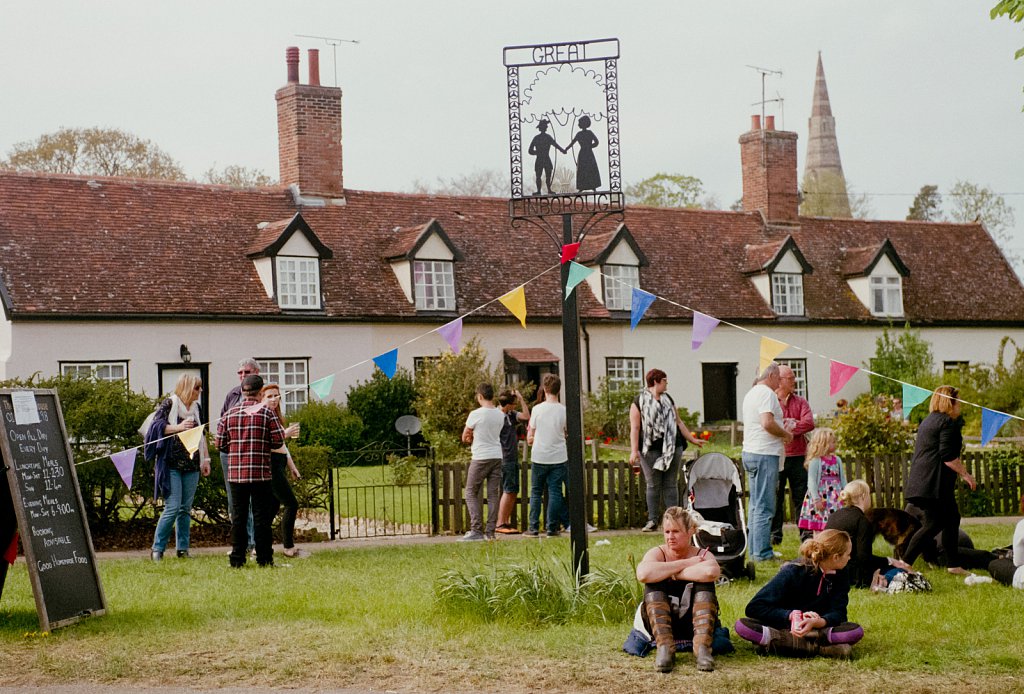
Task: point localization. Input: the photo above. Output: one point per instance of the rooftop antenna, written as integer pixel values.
(333, 43)
(764, 73)
(782, 107)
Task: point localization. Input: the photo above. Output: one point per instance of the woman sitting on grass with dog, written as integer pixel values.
(802, 610)
(864, 569)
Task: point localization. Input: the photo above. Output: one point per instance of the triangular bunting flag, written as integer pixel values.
(515, 302)
(191, 438)
(387, 362)
(322, 387)
(577, 273)
(124, 463)
(703, 324)
(452, 333)
(912, 397)
(991, 423)
(569, 252)
(769, 350)
(253, 409)
(839, 375)
(641, 302)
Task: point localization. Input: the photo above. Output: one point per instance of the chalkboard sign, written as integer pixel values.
(51, 516)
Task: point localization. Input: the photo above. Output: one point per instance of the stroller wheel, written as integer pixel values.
(750, 571)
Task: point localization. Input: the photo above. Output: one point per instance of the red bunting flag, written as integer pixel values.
(838, 375)
(569, 252)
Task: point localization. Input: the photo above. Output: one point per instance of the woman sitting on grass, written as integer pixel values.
(802, 610)
(864, 569)
(679, 593)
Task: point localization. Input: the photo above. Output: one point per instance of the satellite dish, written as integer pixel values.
(408, 424)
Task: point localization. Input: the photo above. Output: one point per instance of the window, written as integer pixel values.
(624, 373)
(799, 367)
(886, 296)
(100, 370)
(420, 363)
(618, 286)
(293, 377)
(434, 285)
(955, 366)
(788, 294)
(298, 282)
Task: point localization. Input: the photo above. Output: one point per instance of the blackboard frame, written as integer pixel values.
(25, 523)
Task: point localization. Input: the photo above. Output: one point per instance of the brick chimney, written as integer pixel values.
(768, 158)
(309, 131)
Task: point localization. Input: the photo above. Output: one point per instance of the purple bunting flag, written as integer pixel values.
(452, 333)
(703, 324)
(124, 462)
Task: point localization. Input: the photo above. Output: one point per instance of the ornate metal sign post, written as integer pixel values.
(568, 93)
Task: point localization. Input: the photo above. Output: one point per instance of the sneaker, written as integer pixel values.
(292, 552)
(554, 533)
(489, 536)
(156, 555)
(532, 533)
(472, 536)
(183, 554)
(650, 527)
(507, 530)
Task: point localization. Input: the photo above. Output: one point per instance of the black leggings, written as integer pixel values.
(939, 515)
(1003, 570)
(285, 497)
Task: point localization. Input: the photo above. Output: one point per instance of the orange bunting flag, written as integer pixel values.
(769, 350)
(515, 302)
(191, 438)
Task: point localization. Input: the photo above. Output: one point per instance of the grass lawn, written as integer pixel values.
(366, 617)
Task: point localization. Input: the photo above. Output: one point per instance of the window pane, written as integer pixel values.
(434, 285)
(298, 282)
(291, 375)
(788, 294)
(624, 372)
(103, 371)
(619, 281)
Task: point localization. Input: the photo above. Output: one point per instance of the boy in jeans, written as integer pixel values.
(483, 431)
(549, 457)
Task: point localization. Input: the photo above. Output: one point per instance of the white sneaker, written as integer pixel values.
(472, 536)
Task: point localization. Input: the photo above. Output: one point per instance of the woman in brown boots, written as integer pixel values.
(802, 610)
(679, 593)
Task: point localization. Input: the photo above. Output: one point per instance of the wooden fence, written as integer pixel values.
(614, 493)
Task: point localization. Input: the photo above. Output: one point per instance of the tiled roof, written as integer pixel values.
(75, 247)
(757, 258)
(531, 355)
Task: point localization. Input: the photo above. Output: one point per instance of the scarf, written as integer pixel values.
(659, 421)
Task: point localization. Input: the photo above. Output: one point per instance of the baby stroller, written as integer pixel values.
(714, 491)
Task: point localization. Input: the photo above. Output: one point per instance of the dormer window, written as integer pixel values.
(875, 274)
(788, 293)
(423, 259)
(298, 282)
(618, 286)
(287, 256)
(886, 295)
(619, 258)
(434, 285)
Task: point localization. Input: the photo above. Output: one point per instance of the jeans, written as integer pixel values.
(177, 507)
(550, 475)
(479, 472)
(762, 480)
(285, 497)
(260, 497)
(231, 506)
(660, 483)
(795, 473)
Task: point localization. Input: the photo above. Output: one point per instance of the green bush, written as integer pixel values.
(905, 356)
(313, 461)
(380, 401)
(865, 430)
(606, 412)
(331, 425)
(405, 470)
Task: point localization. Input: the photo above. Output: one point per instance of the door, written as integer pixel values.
(719, 383)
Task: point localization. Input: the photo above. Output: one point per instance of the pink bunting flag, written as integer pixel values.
(703, 324)
(452, 333)
(569, 251)
(839, 375)
(124, 463)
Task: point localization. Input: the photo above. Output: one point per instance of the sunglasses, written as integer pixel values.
(246, 372)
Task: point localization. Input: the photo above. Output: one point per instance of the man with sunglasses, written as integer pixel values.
(246, 367)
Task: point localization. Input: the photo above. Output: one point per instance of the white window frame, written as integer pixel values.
(788, 293)
(298, 282)
(292, 375)
(624, 373)
(100, 370)
(799, 367)
(619, 281)
(433, 285)
(886, 290)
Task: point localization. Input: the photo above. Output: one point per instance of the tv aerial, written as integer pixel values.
(333, 43)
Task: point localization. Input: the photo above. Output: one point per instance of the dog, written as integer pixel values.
(896, 526)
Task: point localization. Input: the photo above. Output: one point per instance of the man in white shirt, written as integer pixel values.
(483, 431)
(549, 458)
(764, 444)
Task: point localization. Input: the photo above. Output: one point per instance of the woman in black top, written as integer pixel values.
(933, 472)
(856, 500)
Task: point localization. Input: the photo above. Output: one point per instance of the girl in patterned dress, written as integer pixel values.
(825, 479)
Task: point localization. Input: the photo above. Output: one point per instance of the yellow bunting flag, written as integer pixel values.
(515, 302)
(769, 350)
(191, 438)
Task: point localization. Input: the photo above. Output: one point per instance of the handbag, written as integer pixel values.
(146, 423)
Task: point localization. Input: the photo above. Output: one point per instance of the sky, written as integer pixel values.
(923, 92)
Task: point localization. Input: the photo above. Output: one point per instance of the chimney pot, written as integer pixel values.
(314, 67)
(292, 59)
(769, 122)
(755, 122)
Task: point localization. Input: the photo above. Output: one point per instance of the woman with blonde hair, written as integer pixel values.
(176, 470)
(280, 459)
(802, 610)
(931, 484)
(852, 519)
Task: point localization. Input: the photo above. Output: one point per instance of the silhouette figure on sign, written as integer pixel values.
(587, 175)
(540, 147)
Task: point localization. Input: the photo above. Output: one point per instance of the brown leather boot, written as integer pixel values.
(660, 618)
(705, 616)
(841, 651)
(785, 642)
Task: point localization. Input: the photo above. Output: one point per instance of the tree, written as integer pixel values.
(379, 402)
(485, 183)
(669, 190)
(905, 356)
(927, 206)
(94, 152)
(825, 194)
(976, 203)
(237, 177)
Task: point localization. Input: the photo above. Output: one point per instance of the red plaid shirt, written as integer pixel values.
(247, 440)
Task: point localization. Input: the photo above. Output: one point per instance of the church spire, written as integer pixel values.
(824, 186)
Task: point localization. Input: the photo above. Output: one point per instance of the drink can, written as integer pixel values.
(795, 618)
